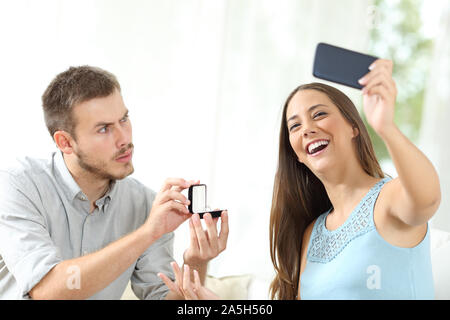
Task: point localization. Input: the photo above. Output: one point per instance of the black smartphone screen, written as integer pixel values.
(341, 65)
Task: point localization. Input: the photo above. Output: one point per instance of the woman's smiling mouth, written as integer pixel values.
(315, 147)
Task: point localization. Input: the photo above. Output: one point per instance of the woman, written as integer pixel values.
(339, 229)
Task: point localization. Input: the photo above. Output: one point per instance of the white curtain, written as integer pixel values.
(204, 80)
(434, 140)
(268, 51)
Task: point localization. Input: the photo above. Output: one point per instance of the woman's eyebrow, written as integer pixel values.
(315, 106)
(309, 110)
(292, 118)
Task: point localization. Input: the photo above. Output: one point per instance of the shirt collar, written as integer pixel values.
(108, 195)
(69, 184)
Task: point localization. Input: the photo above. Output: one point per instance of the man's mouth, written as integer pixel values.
(313, 148)
(126, 156)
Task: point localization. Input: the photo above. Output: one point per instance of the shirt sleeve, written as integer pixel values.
(157, 258)
(25, 244)
(145, 282)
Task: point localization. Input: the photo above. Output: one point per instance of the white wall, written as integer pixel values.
(434, 139)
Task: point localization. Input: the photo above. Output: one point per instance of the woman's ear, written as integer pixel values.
(355, 132)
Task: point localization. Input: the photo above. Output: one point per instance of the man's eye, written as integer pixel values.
(124, 119)
(103, 129)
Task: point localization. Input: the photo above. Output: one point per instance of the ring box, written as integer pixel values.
(197, 197)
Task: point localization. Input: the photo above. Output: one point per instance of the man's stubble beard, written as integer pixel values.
(96, 167)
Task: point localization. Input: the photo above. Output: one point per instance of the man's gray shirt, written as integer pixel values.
(45, 219)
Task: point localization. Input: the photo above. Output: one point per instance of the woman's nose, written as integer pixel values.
(307, 130)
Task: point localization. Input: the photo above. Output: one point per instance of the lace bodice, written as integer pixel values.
(355, 262)
(325, 245)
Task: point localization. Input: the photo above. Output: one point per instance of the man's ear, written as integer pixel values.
(63, 141)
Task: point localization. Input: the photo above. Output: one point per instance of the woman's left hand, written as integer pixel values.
(207, 244)
(185, 287)
(379, 95)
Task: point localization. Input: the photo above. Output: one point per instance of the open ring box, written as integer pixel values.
(197, 197)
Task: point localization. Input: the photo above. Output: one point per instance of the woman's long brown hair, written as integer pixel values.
(299, 196)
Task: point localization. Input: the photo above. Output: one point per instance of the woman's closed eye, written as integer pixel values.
(318, 114)
(295, 125)
(315, 116)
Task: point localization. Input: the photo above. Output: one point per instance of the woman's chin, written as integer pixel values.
(320, 166)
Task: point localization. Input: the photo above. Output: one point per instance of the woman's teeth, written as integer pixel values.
(317, 146)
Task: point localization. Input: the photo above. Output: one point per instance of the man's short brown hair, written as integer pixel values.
(71, 87)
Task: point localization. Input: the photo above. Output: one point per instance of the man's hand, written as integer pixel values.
(169, 207)
(205, 244)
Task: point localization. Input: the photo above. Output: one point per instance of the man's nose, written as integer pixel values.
(123, 137)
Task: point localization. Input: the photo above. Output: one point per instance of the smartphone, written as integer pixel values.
(197, 197)
(341, 65)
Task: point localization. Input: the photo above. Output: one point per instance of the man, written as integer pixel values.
(76, 226)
